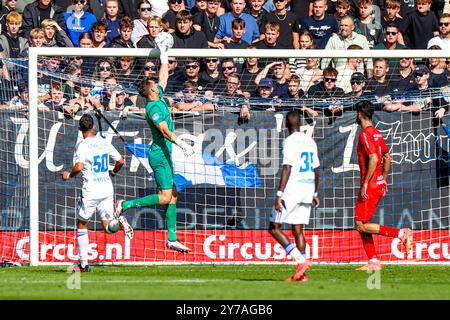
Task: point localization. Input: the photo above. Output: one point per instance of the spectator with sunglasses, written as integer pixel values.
(211, 74)
(191, 72)
(423, 97)
(207, 21)
(55, 36)
(78, 21)
(191, 101)
(149, 70)
(327, 88)
(391, 42)
(36, 12)
(141, 24)
(170, 16)
(185, 35)
(443, 39)
(104, 68)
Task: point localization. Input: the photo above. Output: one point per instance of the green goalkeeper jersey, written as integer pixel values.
(156, 112)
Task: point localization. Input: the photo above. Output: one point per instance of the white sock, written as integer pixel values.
(293, 251)
(113, 226)
(83, 245)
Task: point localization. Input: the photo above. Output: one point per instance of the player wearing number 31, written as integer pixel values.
(297, 193)
(92, 160)
(158, 118)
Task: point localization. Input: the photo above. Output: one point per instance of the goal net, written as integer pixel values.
(227, 189)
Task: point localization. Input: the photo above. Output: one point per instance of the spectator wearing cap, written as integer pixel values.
(251, 27)
(346, 37)
(443, 39)
(281, 74)
(288, 25)
(262, 98)
(36, 12)
(207, 21)
(185, 35)
(358, 83)
(423, 96)
(78, 21)
(264, 89)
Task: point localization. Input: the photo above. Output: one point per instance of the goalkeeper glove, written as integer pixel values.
(163, 55)
(187, 149)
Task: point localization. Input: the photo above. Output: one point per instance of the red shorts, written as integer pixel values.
(365, 208)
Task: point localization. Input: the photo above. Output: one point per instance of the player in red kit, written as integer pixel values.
(374, 163)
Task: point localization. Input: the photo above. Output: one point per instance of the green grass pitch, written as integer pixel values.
(199, 282)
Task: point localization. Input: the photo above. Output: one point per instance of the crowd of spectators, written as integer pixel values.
(72, 84)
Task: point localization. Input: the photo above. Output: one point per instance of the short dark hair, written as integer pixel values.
(86, 122)
(293, 118)
(143, 87)
(366, 108)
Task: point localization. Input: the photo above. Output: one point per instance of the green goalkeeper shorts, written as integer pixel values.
(162, 169)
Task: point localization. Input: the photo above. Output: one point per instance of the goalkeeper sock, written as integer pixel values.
(293, 251)
(171, 216)
(147, 201)
(368, 245)
(113, 226)
(83, 245)
(388, 231)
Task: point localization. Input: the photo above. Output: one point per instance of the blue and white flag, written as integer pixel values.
(202, 168)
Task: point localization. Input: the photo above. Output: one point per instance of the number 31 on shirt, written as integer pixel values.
(307, 158)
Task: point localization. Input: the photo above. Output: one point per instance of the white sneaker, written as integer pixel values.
(118, 208)
(177, 246)
(126, 227)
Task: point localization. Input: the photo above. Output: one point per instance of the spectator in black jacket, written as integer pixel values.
(8, 7)
(170, 16)
(185, 35)
(129, 8)
(126, 26)
(36, 12)
(154, 26)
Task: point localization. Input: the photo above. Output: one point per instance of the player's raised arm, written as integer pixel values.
(163, 76)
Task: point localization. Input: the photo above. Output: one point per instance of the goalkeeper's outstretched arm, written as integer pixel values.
(169, 135)
(164, 68)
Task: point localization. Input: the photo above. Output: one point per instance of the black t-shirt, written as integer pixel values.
(236, 45)
(248, 80)
(209, 26)
(14, 46)
(289, 23)
(44, 14)
(419, 29)
(397, 21)
(171, 18)
(300, 8)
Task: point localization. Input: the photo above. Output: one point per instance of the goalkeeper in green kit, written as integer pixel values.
(158, 118)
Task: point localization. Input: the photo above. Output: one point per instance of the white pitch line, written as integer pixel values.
(125, 281)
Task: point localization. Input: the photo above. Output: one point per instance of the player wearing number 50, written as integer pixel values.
(374, 163)
(297, 193)
(92, 160)
(158, 118)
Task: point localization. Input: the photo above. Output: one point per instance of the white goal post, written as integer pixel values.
(340, 191)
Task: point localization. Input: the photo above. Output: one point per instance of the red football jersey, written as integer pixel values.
(371, 141)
